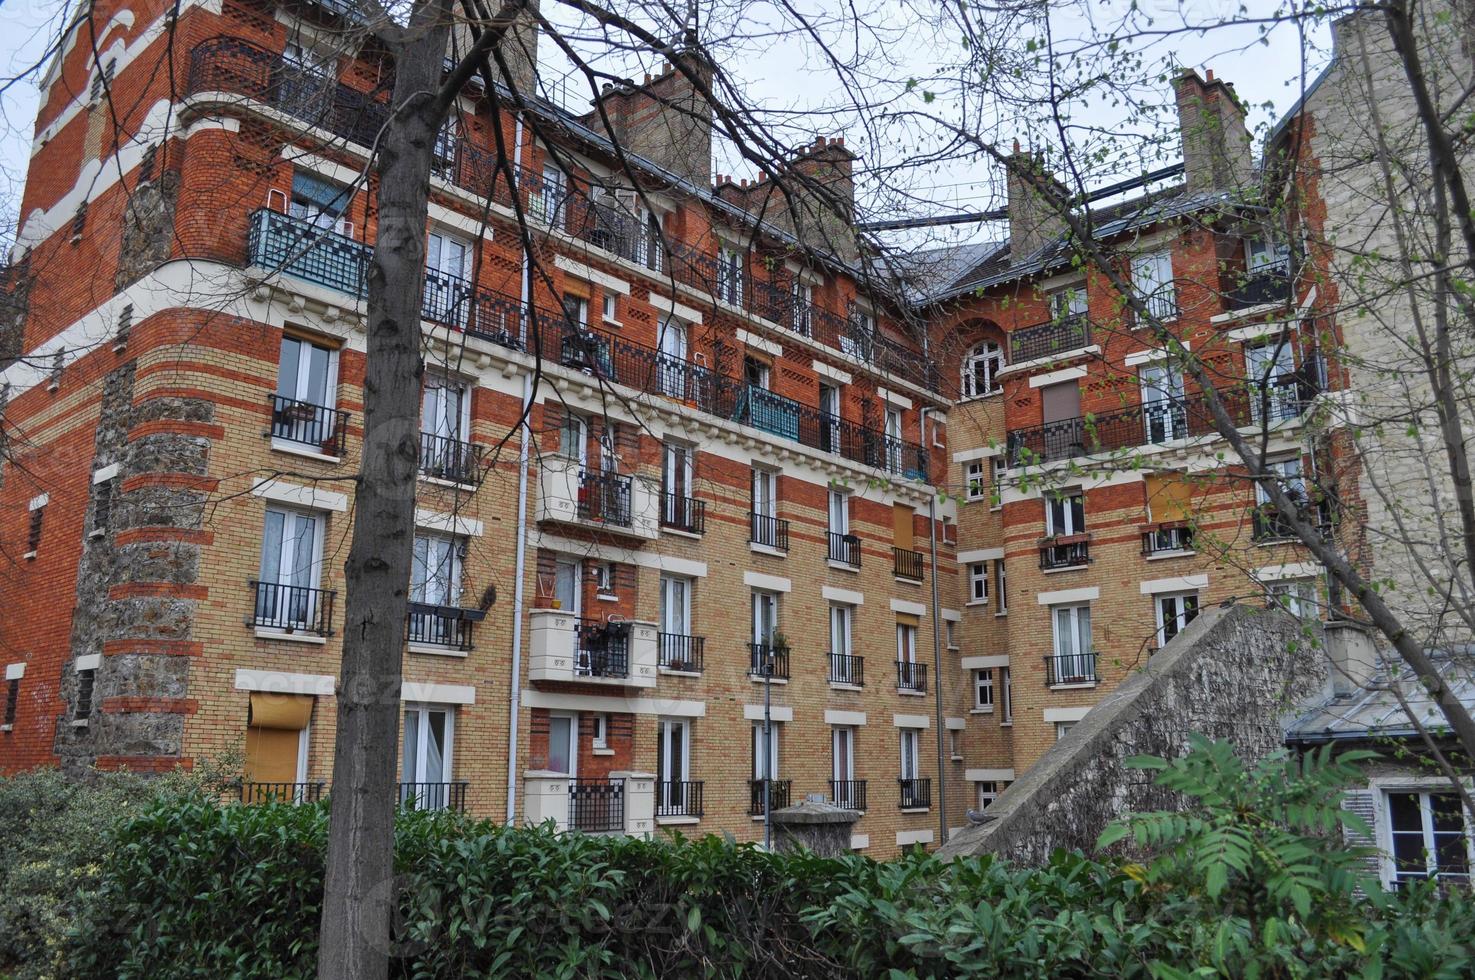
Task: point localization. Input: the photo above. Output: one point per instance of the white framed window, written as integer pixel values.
(548, 203)
(320, 203)
(435, 570)
(1428, 836)
(839, 512)
(307, 373)
(599, 730)
(1152, 279)
(1072, 628)
(287, 595)
(604, 578)
(996, 495)
(445, 409)
(893, 440)
(1269, 524)
(950, 633)
(801, 296)
(975, 489)
(730, 275)
(576, 311)
(860, 341)
(1062, 729)
(1065, 514)
(1068, 302)
(674, 351)
(910, 753)
(842, 754)
(1006, 697)
(673, 755)
(1175, 610)
(425, 763)
(841, 619)
(573, 439)
(563, 743)
(829, 412)
(1260, 253)
(1001, 593)
(987, 793)
(983, 690)
(676, 605)
(568, 586)
(978, 583)
(1296, 595)
(610, 308)
(765, 492)
(1163, 413)
(765, 616)
(981, 370)
(766, 763)
(906, 643)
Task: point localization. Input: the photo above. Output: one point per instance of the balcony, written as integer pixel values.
(610, 501)
(848, 794)
(317, 428)
(845, 549)
(1269, 283)
(441, 627)
(433, 796)
(1269, 526)
(281, 792)
(1167, 538)
(291, 609)
(564, 648)
(768, 662)
(596, 805)
(680, 652)
(685, 514)
(768, 412)
(679, 798)
(907, 564)
(1065, 551)
(307, 251)
(916, 794)
(847, 669)
(444, 458)
(1049, 339)
(911, 677)
(767, 795)
(1283, 400)
(770, 532)
(1070, 669)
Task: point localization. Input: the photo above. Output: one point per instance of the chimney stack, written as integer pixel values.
(1033, 221)
(666, 120)
(1216, 144)
(825, 192)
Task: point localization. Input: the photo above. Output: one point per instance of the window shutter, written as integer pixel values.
(901, 517)
(1061, 401)
(908, 619)
(1169, 497)
(1362, 802)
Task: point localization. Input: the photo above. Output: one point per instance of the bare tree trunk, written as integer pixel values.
(359, 892)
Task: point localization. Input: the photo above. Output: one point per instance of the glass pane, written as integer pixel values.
(287, 367)
(435, 748)
(271, 547)
(410, 766)
(560, 729)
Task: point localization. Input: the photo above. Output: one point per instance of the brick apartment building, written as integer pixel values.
(741, 476)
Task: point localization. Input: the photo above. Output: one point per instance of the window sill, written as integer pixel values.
(910, 694)
(975, 602)
(606, 597)
(1001, 615)
(844, 566)
(612, 323)
(434, 650)
(953, 648)
(763, 549)
(438, 481)
(1074, 686)
(312, 638)
(981, 711)
(29, 556)
(80, 723)
(96, 534)
(298, 449)
(1067, 568)
(602, 751)
(677, 821)
(983, 397)
(1162, 555)
(1006, 724)
(909, 581)
(837, 686)
(758, 679)
(916, 809)
(955, 758)
(976, 500)
(678, 673)
(680, 533)
(7, 728)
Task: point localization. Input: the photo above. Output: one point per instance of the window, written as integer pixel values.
(1062, 729)
(842, 757)
(906, 643)
(1163, 413)
(307, 383)
(978, 583)
(425, 766)
(103, 79)
(893, 440)
(1175, 610)
(446, 296)
(102, 504)
(987, 793)
(12, 701)
(755, 373)
(1429, 836)
(910, 756)
(1269, 524)
(730, 267)
(839, 512)
(677, 478)
(79, 221)
(275, 760)
(306, 80)
(546, 206)
(320, 203)
(954, 745)
(86, 682)
(801, 296)
(1001, 595)
(673, 762)
(610, 310)
(573, 439)
(443, 153)
(287, 594)
(576, 311)
(765, 509)
(1065, 304)
(983, 690)
(604, 578)
(996, 470)
(567, 587)
(443, 410)
(675, 605)
(844, 667)
(973, 481)
(950, 633)
(1074, 661)
(563, 744)
(981, 370)
(860, 340)
(765, 618)
(673, 354)
(599, 730)
(765, 763)
(1297, 596)
(829, 418)
(1065, 514)
(1152, 278)
(33, 532)
(1270, 370)
(1006, 697)
(1260, 253)
(435, 572)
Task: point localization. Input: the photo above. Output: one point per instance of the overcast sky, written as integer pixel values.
(782, 73)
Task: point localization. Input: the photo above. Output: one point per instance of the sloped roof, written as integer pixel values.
(1375, 712)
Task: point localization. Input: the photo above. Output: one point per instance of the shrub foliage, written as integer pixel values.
(1251, 880)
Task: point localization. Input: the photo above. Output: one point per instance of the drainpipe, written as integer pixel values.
(515, 700)
(936, 644)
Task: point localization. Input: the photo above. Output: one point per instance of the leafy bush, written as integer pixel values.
(1250, 881)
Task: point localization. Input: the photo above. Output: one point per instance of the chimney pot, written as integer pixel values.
(647, 78)
(1209, 74)
(1016, 146)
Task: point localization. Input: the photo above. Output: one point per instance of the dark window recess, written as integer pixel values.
(125, 322)
(33, 538)
(12, 697)
(102, 511)
(79, 220)
(85, 681)
(104, 77)
(146, 165)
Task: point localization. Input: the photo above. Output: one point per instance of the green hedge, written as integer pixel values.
(191, 887)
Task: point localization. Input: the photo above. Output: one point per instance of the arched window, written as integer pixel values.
(981, 369)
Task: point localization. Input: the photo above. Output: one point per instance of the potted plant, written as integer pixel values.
(545, 598)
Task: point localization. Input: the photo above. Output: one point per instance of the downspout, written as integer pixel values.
(515, 699)
(936, 643)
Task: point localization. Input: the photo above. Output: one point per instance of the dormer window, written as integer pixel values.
(1068, 303)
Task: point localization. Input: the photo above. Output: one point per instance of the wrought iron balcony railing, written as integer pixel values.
(768, 661)
(292, 608)
(771, 532)
(433, 796)
(845, 549)
(908, 564)
(848, 794)
(601, 649)
(281, 792)
(317, 427)
(916, 794)
(445, 458)
(1167, 538)
(767, 795)
(596, 805)
(1065, 551)
(1270, 283)
(1070, 668)
(1049, 339)
(441, 626)
(911, 676)
(680, 651)
(683, 513)
(847, 669)
(679, 798)
(604, 497)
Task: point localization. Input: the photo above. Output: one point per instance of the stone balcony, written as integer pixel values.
(572, 494)
(566, 648)
(622, 803)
